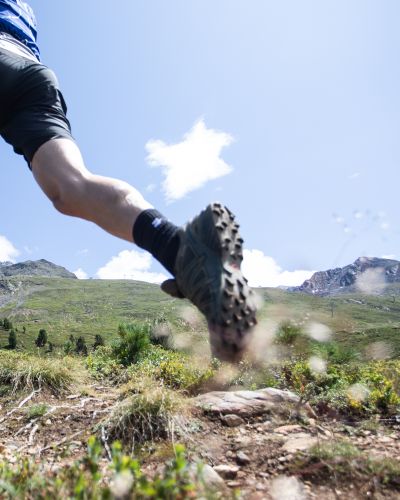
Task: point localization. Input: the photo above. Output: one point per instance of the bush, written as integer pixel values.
(174, 369)
(134, 340)
(334, 352)
(287, 333)
(80, 346)
(102, 363)
(350, 388)
(98, 342)
(84, 479)
(41, 338)
(7, 325)
(12, 340)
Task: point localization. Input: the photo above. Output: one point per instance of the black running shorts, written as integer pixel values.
(32, 108)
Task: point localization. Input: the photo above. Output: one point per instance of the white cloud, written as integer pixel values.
(189, 164)
(354, 175)
(130, 264)
(262, 270)
(81, 274)
(389, 256)
(7, 250)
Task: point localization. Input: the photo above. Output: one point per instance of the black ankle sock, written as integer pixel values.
(154, 233)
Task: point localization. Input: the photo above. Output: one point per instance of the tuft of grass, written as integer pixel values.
(21, 371)
(37, 410)
(143, 417)
(341, 461)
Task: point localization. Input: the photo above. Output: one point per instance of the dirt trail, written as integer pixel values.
(248, 453)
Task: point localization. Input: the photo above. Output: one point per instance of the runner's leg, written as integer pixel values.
(114, 205)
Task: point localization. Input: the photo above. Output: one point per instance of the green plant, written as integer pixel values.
(98, 342)
(341, 461)
(37, 410)
(174, 369)
(41, 338)
(81, 347)
(142, 417)
(133, 340)
(12, 339)
(102, 363)
(288, 332)
(85, 479)
(21, 370)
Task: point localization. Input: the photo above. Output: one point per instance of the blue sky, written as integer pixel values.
(292, 107)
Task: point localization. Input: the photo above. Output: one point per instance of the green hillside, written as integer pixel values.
(89, 307)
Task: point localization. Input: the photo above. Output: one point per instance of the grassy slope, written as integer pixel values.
(90, 307)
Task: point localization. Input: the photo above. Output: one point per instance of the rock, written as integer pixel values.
(287, 429)
(299, 443)
(226, 471)
(287, 488)
(210, 477)
(248, 403)
(242, 458)
(48, 422)
(232, 420)
(234, 484)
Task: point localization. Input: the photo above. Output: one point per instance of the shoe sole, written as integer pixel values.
(230, 336)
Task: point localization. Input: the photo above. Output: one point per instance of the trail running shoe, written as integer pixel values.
(207, 272)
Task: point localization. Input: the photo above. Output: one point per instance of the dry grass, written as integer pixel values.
(22, 371)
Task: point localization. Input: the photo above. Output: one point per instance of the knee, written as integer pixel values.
(69, 196)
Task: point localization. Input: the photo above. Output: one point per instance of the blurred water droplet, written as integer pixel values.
(371, 281)
(317, 365)
(318, 332)
(358, 392)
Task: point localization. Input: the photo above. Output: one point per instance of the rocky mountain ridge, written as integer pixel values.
(366, 274)
(40, 267)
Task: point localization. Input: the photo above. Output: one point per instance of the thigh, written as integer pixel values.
(32, 107)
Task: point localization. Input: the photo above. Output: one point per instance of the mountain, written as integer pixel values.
(369, 274)
(40, 267)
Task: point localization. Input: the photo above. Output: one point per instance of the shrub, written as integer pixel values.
(68, 347)
(98, 342)
(287, 333)
(84, 479)
(334, 352)
(174, 369)
(41, 338)
(7, 325)
(133, 340)
(102, 363)
(80, 346)
(12, 340)
(338, 386)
